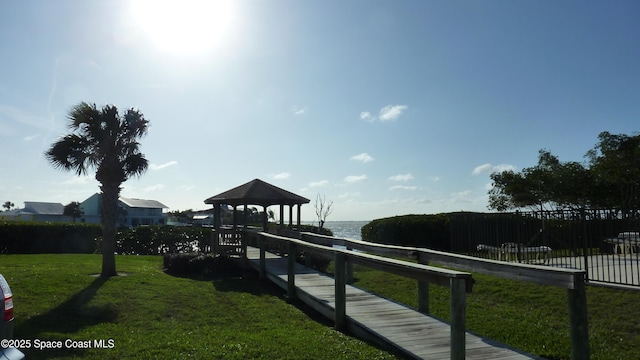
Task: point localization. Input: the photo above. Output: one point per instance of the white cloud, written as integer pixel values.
(462, 196)
(405, 177)
(434, 178)
(489, 168)
(319, 183)
(355, 178)
(366, 116)
(187, 187)
(403, 187)
(32, 137)
(153, 188)
(281, 176)
(387, 113)
(391, 112)
(364, 157)
(297, 111)
(77, 180)
(348, 195)
(162, 166)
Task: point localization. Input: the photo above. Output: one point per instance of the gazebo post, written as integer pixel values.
(299, 205)
(281, 216)
(235, 223)
(244, 232)
(265, 223)
(216, 227)
(290, 216)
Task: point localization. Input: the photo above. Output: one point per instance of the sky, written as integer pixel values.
(382, 107)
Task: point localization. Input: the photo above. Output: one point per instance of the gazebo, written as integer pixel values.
(255, 192)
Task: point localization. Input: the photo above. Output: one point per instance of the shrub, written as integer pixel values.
(22, 237)
(162, 239)
(198, 264)
(428, 231)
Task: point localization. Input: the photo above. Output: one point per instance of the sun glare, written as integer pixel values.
(185, 26)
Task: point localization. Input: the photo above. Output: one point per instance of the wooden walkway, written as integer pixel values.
(386, 323)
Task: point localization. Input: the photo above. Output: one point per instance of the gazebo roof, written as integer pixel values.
(257, 192)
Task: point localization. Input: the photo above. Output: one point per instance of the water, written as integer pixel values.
(345, 229)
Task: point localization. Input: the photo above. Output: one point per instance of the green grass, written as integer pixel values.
(149, 314)
(529, 317)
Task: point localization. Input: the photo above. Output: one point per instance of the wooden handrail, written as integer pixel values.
(458, 282)
(571, 279)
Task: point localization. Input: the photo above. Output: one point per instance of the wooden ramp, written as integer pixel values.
(378, 320)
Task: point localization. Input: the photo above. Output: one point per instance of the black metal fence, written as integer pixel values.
(604, 243)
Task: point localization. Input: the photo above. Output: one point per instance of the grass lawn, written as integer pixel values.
(530, 317)
(148, 314)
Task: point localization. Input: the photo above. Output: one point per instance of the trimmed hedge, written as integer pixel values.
(161, 239)
(21, 237)
(427, 231)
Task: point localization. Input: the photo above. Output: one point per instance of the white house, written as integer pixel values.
(133, 212)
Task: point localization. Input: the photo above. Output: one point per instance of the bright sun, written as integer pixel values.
(185, 26)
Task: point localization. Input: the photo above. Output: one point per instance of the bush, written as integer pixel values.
(188, 263)
(428, 231)
(162, 239)
(22, 237)
(313, 261)
(198, 264)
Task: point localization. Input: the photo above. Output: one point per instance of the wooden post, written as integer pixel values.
(291, 270)
(217, 221)
(458, 318)
(579, 330)
(349, 279)
(340, 291)
(263, 260)
(423, 292)
(245, 239)
(265, 221)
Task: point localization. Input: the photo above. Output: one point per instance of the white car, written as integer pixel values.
(6, 325)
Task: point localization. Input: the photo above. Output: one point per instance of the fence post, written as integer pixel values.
(349, 265)
(291, 270)
(263, 260)
(458, 318)
(340, 291)
(423, 291)
(579, 330)
(585, 251)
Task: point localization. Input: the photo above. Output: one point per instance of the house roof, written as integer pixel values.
(140, 203)
(36, 208)
(43, 208)
(257, 192)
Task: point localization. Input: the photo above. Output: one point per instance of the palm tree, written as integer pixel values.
(106, 141)
(74, 210)
(8, 205)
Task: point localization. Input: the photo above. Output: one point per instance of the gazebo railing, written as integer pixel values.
(228, 241)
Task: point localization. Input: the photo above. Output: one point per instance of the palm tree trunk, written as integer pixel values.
(110, 194)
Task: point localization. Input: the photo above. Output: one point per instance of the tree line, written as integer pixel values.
(608, 178)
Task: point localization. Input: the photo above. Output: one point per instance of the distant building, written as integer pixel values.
(132, 212)
(37, 211)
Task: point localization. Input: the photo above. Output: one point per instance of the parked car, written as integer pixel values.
(6, 325)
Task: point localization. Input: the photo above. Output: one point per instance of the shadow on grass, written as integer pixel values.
(69, 317)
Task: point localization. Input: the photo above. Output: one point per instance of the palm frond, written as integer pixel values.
(70, 153)
(135, 165)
